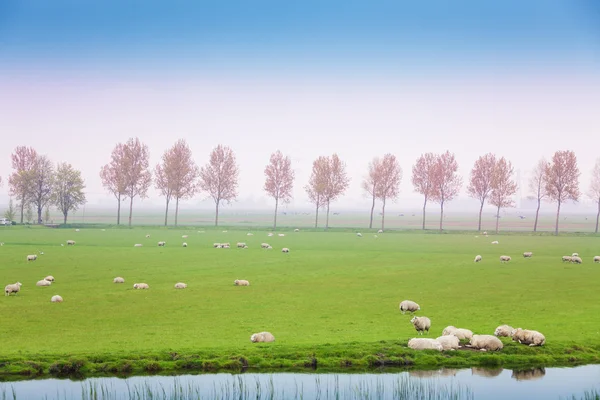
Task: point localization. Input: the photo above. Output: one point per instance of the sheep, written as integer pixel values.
(249, 234)
(503, 331)
(597, 259)
(285, 250)
(13, 288)
(56, 299)
(43, 282)
(485, 343)
(575, 255)
(49, 278)
(161, 244)
(484, 233)
(141, 286)
(241, 245)
(118, 279)
(566, 258)
(495, 242)
(380, 231)
(281, 235)
(184, 244)
(147, 236)
(225, 246)
(409, 305)
(184, 236)
(264, 245)
(137, 245)
(180, 285)
(477, 258)
(424, 344)
(70, 243)
(270, 234)
(421, 324)
(576, 260)
(296, 230)
(460, 333)
(359, 234)
(269, 247)
(76, 230)
(449, 342)
(241, 282)
(265, 337)
(245, 247)
(528, 337)
(504, 259)
(217, 245)
(527, 254)
(31, 257)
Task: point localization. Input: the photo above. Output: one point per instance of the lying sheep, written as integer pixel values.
(161, 244)
(137, 245)
(249, 234)
(180, 285)
(495, 242)
(421, 324)
(264, 337)
(184, 236)
(147, 236)
(56, 299)
(70, 243)
(184, 244)
(49, 278)
(216, 245)
(241, 282)
(270, 234)
(576, 260)
(597, 259)
(503, 331)
(566, 258)
(285, 250)
(31, 257)
(141, 286)
(12, 288)
(449, 342)
(118, 279)
(225, 246)
(575, 255)
(425, 344)
(477, 258)
(485, 343)
(241, 245)
(43, 282)
(530, 338)
(460, 333)
(409, 305)
(281, 235)
(527, 254)
(504, 259)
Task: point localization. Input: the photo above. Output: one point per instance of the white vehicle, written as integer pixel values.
(5, 221)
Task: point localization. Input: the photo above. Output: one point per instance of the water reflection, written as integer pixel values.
(528, 374)
(486, 372)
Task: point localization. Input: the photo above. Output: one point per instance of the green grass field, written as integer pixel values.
(334, 297)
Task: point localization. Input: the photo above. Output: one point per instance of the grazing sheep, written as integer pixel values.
(216, 245)
(161, 244)
(449, 342)
(380, 231)
(530, 338)
(495, 242)
(424, 344)
(241, 282)
(359, 234)
(137, 245)
(597, 259)
(241, 245)
(184, 244)
(147, 236)
(527, 254)
(70, 243)
(421, 324)
(485, 343)
(264, 337)
(245, 247)
(31, 257)
(76, 230)
(225, 246)
(56, 299)
(575, 255)
(264, 245)
(504, 258)
(503, 331)
(485, 233)
(270, 234)
(249, 234)
(460, 333)
(477, 258)
(141, 286)
(285, 250)
(281, 235)
(409, 305)
(296, 230)
(118, 279)
(180, 285)
(576, 260)
(13, 288)
(49, 278)
(43, 282)
(528, 374)
(566, 258)
(269, 247)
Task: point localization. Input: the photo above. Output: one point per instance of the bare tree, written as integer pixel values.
(594, 191)
(42, 184)
(370, 184)
(177, 176)
(68, 192)
(422, 177)
(113, 177)
(389, 184)
(562, 180)
(537, 186)
(337, 182)
(503, 187)
(279, 180)
(23, 160)
(480, 184)
(219, 177)
(317, 185)
(446, 181)
(136, 173)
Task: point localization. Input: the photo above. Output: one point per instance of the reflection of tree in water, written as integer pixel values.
(432, 373)
(486, 372)
(528, 374)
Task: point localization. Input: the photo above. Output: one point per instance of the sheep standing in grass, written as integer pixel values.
(530, 338)
(285, 250)
(421, 324)
(184, 244)
(409, 305)
(485, 343)
(477, 258)
(504, 259)
(161, 244)
(70, 243)
(241, 245)
(566, 258)
(137, 245)
(449, 342)
(380, 231)
(527, 254)
(425, 344)
(576, 260)
(31, 257)
(56, 299)
(141, 286)
(43, 282)
(264, 245)
(147, 236)
(503, 331)
(118, 279)
(12, 288)
(49, 278)
(597, 259)
(265, 337)
(359, 234)
(180, 285)
(460, 333)
(241, 282)
(296, 230)
(575, 255)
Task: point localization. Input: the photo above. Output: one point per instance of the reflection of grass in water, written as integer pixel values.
(6, 395)
(588, 395)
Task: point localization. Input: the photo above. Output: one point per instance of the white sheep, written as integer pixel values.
(241, 245)
(575, 255)
(31, 257)
(147, 236)
(56, 299)
(118, 279)
(380, 231)
(421, 324)
(241, 282)
(528, 337)
(137, 245)
(503, 331)
(527, 254)
(449, 342)
(281, 235)
(359, 234)
(495, 242)
(597, 259)
(477, 258)
(225, 246)
(245, 247)
(576, 260)
(485, 343)
(269, 234)
(409, 305)
(269, 247)
(504, 259)
(285, 250)
(264, 245)
(484, 233)
(217, 245)
(265, 337)
(184, 244)
(49, 278)
(566, 258)
(70, 243)
(425, 344)
(249, 234)
(141, 286)
(161, 244)
(180, 285)
(296, 230)
(184, 236)
(43, 282)
(460, 333)
(12, 288)
(76, 230)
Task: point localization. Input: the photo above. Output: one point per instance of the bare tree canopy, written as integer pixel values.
(68, 189)
(219, 177)
(503, 187)
(136, 173)
(279, 181)
(446, 181)
(594, 191)
(19, 182)
(370, 184)
(480, 184)
(562, 180)
(42, 184)
(422, 177)
(537, 187)
(177, 176)
(389, 183)
(317, 185)
(113, 176)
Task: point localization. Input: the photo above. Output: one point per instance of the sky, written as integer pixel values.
(520, 79)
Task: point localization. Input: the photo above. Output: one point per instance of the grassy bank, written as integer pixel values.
(334, 299)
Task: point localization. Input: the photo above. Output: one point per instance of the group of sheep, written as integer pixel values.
(47, 281)
(142, 285)
(574, 258)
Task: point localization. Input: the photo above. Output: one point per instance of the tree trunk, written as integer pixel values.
(424, 205)
(598, 216)
(65, 220)
(167, 211)
(176, 209)
(557, 215)
(119, 209)
(217, 213)
(275, 217)
(22, 208)
(441, 215)
(39, 212)
(497, 218)
(130, 209)
(327, 219)
(383, 215)
(537, 212)
(317, 217)
(372, 208)
(480, 212)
